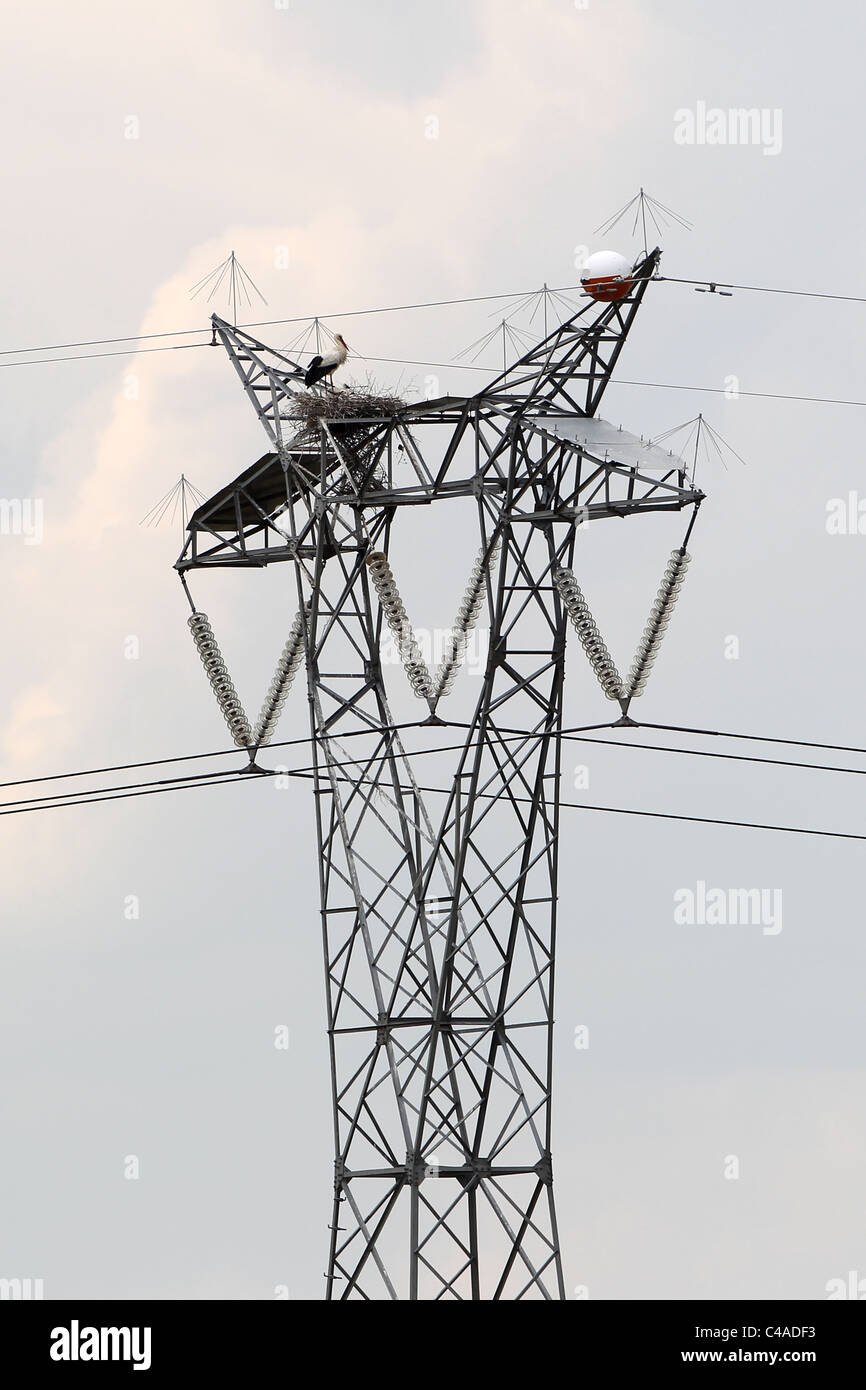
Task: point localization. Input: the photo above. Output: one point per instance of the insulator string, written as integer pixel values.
(398, 620)
(220, 680)
(287, 667)
(657, 623)
(591, 640)
(466, 619)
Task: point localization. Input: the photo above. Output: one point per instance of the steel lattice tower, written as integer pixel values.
(439, 920)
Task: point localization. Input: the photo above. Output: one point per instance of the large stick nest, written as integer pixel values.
(351, 403)
(348, 414)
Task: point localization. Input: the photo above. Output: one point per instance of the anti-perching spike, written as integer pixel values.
(583, 622)
(287, 668)
(221, 683)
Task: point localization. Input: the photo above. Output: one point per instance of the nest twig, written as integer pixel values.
(348, 414)
(309, 407)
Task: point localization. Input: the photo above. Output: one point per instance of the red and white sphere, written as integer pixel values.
(607, 276)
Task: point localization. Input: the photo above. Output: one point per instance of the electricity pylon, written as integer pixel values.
(439, 911)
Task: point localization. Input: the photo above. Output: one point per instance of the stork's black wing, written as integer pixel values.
(313, 372)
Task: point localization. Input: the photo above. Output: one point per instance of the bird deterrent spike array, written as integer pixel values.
(467, 616)
(221, 682)
(591, 640)
(660, 616)
(287, 668)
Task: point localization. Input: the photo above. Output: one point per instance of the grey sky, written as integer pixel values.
(261, 127)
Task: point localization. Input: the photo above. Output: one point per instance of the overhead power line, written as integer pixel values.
(766, 289)
(577, 734)
(171, 785)
(221, 780)
(206, 779)
(91, 356)
(712, 820)
(489, 371)
(754, 738)
(415, 362)
(277, 323)
(406, 308)
(672, 815)
(184, 758)
(95, 793)
(706, 753)
(754, 395)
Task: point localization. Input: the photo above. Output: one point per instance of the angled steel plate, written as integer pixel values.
(608, 443)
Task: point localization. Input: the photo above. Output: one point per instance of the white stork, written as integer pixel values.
(326, 365)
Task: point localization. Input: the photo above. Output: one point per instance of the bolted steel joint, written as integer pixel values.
(544, 1169)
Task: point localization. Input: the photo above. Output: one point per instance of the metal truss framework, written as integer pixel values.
(439, 923)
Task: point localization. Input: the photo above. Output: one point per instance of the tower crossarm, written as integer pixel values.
(268, 377)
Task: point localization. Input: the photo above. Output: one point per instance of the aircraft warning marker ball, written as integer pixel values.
(607, 276)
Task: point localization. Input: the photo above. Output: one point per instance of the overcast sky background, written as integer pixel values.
(306, 126)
